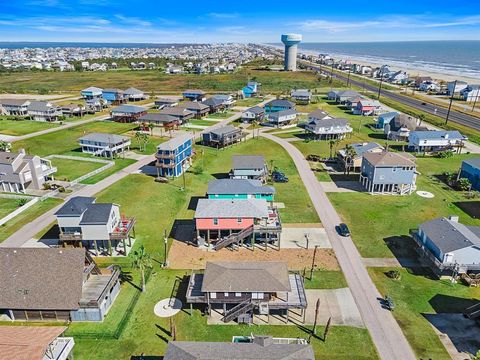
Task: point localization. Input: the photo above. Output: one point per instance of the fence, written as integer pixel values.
(19, 210)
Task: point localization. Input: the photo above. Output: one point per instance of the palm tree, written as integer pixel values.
(151, 126)
(142, 261)
(349, 155)
(421, 119)
(331, 143)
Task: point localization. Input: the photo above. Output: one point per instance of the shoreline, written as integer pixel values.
(412, 70)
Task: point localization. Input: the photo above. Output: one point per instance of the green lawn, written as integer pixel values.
(25, 217)
(248, 102)
(221, 115)
(119, 165)
(22, 127)
(7, 206)
(146, 333)
(383, 217)
(69, 170)
(151, 148)
(415, 295)
(325, 279)
(201, 122)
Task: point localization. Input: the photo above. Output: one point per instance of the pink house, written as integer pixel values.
(367, 107)
(217, 220)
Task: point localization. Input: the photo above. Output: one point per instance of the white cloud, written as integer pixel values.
(223, 15)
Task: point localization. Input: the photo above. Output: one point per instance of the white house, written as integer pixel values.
(456, 87)
(44, 111)
(328, 128)
(471, 93)
(282, 118)
(98, 226)
(255, 113)
(429, 86)
(434, 140)
(102, 144)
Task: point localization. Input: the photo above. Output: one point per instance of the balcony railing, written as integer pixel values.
(165, 156)
(123, 229)
(162, 165)
(71, 236)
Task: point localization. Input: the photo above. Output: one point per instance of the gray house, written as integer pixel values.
(282, 118)
(253, 348)
(249, 167)
(51, 284)
(255, 113)
(223, 136)
(301, 96)
(15, 106)
(243, 289)
(388, 173)
(449, 246)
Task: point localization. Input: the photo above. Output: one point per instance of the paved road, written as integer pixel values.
(421, 105)
(386, 334)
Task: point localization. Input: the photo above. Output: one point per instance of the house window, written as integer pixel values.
(256, 295)
(213, 295)
(215, 221)
(225, 294)
(238, 294)
(239, 220)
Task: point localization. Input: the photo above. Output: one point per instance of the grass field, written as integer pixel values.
(248, 102)
(155, 331)
(415, 294)
(69, 170)
(25, 217)
(381, 218)
(22, 127)
(156, 81)
(7, 206)
(221, 115)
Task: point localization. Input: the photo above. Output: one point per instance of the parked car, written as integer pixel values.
(389, 304)
(278, 176)
(343, 230)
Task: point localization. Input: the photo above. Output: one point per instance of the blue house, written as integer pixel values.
(251, 89)
(239, 189)
(114, 96)
(471, 170)
(278, 105)
(174, 156)
(388, 173)
(385, 119)
(91, 92)
(194, 95)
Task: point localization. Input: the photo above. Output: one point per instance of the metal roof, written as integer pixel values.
(318, 114)
(157, 117)
(280, 102)
(133, 91)
(450, 235)
(248, 162)
(105, 138)
(92, 89)
(238, 186)
(436, 134)
(278, 114)
(246, 276)
(225, 208)
(475, 162)
(175, 142)
(227, 129)
(255, 110)
(129, 109)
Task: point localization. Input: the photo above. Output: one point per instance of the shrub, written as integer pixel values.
(47, 186)
(393, 274)
(445, 154)
(21, 202)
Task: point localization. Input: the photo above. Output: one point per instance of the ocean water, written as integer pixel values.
(460, 58)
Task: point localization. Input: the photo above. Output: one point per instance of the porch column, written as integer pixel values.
(96, 247)
(124, 247)
(109, 247)
(208, 237)
(279, 237)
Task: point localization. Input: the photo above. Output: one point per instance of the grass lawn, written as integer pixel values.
(7, 206)
(22, 127)
(384, 217)
(65, 141)
(201, 122)
(150, 148)
(325, 279)
(417, 294)
(248, 102)
(69, 170)
(155, 332)
(119, 165)
(25, 217)
(221, 115)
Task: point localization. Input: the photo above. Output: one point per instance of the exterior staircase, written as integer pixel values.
(472, 312)
(238, 310)
(234, 238)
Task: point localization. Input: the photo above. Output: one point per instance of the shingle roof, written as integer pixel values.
(193, 105)
(248, 162)
(105, 138)
(387, 158)
(255, 110)
(318, 114)
(133, 91)
(129, 109)
(300, 92)
(223, 208)
(41, 278)
(362, 148)
(96, 214)
(328, 123)
(7, 157)
(450, 235)
(280, 102)
(27, 342)
(175, 142)
(14, 102)
(176, 111)
(238, 186)
(475, 162)
(251, 276)
(92, 89)
(435, 134)
(40, 106)
(189, 350)
(227, 129)
(76, 206)
(166, 100)
(213, 102)
(157, 117)
(403, 121)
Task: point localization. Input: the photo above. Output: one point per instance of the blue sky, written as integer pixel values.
(203, 21)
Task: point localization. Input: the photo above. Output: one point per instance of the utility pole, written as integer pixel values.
(183, 175)
(348, 78)
(314, 330)
(380, 87)
(313, 262)
(451, 101)
(476, 98)
(165, 241)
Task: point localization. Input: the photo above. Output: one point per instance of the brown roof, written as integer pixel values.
(386, 158)
(27, 342)
(254, 276)
(176, 111)
(41, 278)
(192, 105)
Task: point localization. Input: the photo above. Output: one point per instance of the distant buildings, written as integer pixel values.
(101, 144)
(174, 156)
(388, 173)
(20, 172)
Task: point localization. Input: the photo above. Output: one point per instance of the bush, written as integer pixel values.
(393, 274)
(197, 169)
(47, 186)
(445, 154)
(61, 189)
(21, 202)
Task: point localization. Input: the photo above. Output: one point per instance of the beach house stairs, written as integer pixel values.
(233, 238)
(238, 310)
(473, 312)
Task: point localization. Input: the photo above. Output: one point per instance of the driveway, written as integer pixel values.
(385, 332)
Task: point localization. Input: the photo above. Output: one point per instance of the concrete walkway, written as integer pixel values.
(386, 334)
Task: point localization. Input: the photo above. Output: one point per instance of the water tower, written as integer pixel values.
(291, 41)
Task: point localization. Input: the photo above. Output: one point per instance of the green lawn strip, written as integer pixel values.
(221, 115)
(250, 102)
(7, 206)
(23, 127)
(25, 217)
(69, 170)
(325, 279)
(146, 333)
(63, 141)
(382, 217)
(200, 122)
(152, 143)
(417, 294)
